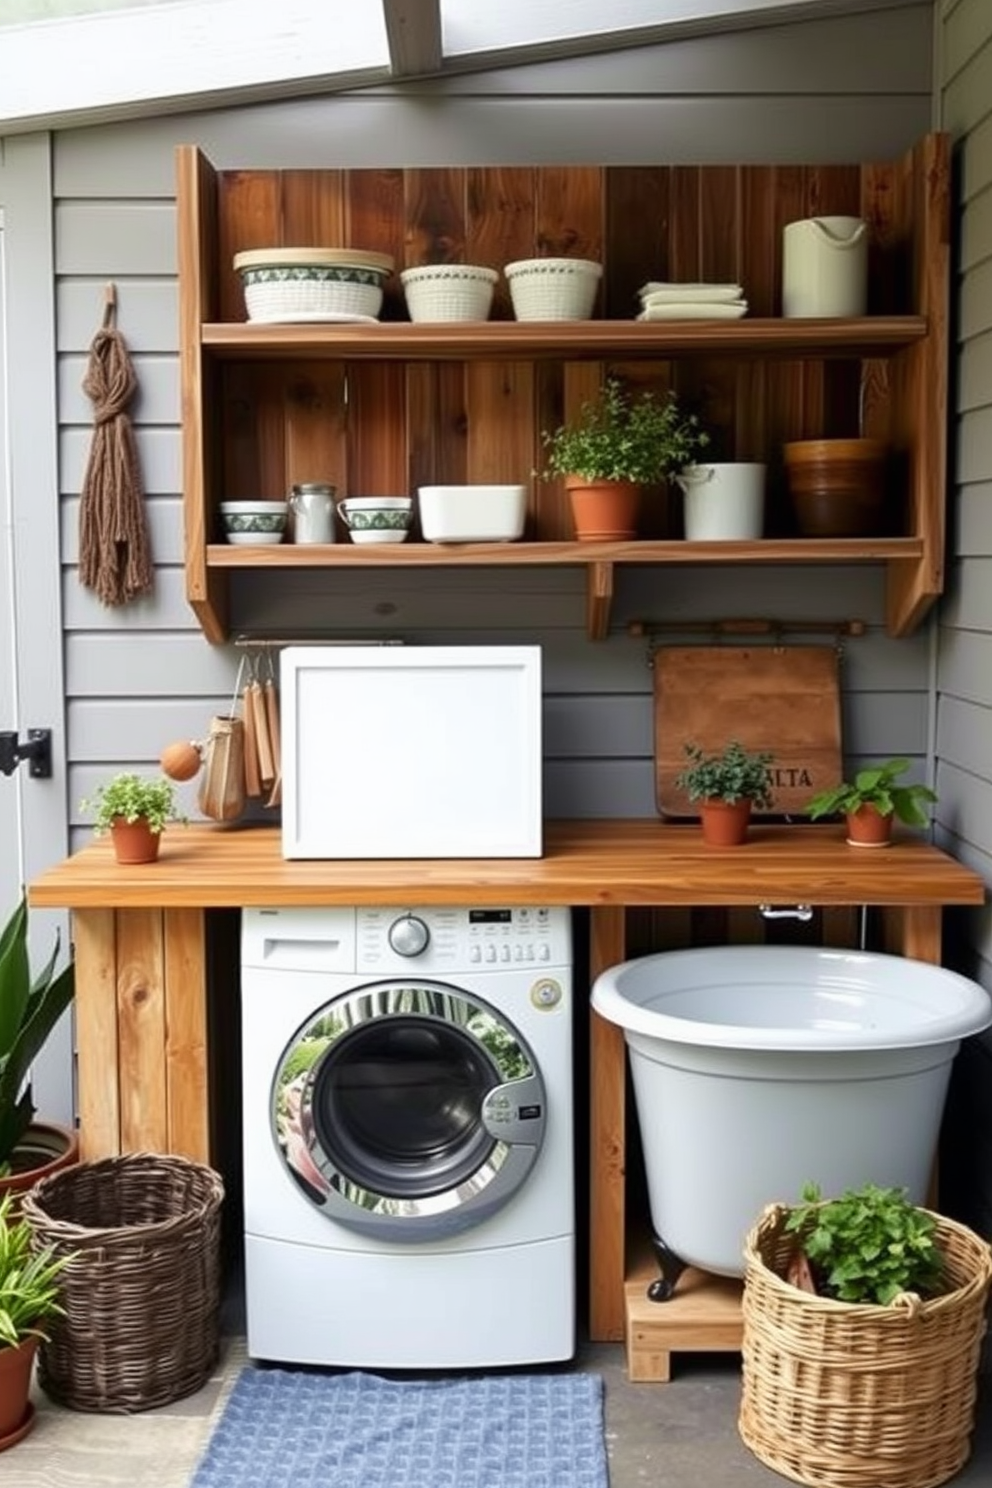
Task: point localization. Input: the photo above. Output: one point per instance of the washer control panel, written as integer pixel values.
(436, 938)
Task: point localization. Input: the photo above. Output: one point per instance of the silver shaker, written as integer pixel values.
(311, 510)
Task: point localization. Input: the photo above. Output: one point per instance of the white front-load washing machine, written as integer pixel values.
(408, 1136)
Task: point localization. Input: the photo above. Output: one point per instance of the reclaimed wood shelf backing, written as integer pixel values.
(383, 409)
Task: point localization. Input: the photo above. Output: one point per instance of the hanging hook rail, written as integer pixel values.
(747, 626)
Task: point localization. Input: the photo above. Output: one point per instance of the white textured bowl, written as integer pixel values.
(553, 288)
(449, 291)
(472, 513)
(284, 284)
(254, 522)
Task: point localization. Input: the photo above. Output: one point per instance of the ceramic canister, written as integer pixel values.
(311, 510)
(825, 267)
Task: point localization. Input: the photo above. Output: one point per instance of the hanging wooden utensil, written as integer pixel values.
(253, 782)
(275, 728)
(266, 764)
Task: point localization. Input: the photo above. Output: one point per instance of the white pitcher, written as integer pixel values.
(723, 503)
(825, 267)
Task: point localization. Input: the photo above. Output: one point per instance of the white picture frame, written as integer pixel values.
(411, 752)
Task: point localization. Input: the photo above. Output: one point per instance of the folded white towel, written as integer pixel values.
(688, 310)
(697, 293)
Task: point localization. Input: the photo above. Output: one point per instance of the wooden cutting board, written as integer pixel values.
(784, 699)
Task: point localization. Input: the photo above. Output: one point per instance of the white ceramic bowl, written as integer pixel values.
(449, 291)
(472, 513)
(553, 288)
(254, 522)
(377, 519)
(301, 284)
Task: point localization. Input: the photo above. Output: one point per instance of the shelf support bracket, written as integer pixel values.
(599, 599)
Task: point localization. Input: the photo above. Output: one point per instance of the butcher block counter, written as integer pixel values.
(141, 951)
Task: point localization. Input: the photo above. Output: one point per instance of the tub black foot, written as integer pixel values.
(671, 1267)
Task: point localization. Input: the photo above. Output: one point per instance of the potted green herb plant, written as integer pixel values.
(30, 1007)
(726, 786)
(134, 809)
(29, 1298)
(617, 444)
(872, 802)
(863, 1321)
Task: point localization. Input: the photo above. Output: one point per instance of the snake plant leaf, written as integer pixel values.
(15, 976)
(28, 1013)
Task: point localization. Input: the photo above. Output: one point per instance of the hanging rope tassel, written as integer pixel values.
(114, 556)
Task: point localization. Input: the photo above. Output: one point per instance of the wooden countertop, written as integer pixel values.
(585, 863)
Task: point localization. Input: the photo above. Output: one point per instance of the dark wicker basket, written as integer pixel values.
(142, 1296)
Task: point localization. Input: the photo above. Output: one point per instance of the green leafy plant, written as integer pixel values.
(29, 1010)
(623, 436)
(876, 786)
(133, 797)
(736, 774)
(29, 1281)
(868, 1245)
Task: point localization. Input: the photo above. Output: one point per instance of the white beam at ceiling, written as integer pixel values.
(413, 32)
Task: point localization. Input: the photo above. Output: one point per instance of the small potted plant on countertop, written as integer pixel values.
(726, 786)
(616, 445)
(863, 1322)
(29, 1298)
(134, 809)
(872, 801)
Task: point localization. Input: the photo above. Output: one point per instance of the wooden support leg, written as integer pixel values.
(607, 1097)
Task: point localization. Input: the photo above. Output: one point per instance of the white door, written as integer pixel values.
(33, 817)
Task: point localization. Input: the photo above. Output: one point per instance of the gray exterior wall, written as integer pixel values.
(841, 89)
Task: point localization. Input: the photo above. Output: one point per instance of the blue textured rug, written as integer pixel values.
(288, 1428)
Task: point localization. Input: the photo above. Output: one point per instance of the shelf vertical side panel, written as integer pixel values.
(197, 246)
(920, 382)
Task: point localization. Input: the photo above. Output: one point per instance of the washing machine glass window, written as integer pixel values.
(409, 1106)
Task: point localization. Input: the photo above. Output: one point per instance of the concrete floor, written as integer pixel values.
(679, 1435)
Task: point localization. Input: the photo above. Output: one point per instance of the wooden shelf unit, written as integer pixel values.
(383, 409)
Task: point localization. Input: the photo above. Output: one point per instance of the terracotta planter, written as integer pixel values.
(45, 1148)
(134, 842)
(867, 827)
(603, 511)
(724, 823)
(838, 486)
(16, 1413)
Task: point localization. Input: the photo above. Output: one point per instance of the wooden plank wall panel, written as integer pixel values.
(141, 1030)
(95, 937)
(187, 1102)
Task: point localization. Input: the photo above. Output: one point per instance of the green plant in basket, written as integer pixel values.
(734, 774)
(133, 798)
(868, 1245)
(622, 436)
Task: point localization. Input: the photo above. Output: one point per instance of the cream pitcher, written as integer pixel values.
(825, 267)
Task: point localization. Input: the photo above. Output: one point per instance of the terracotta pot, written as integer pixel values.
(867, 827)
(603, 511)
(45, 1148)
(134, 842)
(724, 823)
(16, 1414)
(838, 486)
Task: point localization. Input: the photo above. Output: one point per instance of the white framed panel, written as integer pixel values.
(414, 752)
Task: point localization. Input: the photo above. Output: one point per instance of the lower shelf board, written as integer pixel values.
(703, 1316)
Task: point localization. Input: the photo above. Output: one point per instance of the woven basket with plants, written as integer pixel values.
(863, 1321)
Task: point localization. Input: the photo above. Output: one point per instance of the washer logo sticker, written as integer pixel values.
(546, 994)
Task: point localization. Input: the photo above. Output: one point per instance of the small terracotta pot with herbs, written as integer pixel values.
(727, 786)
(618, 444)
(134, 809)
(872, 802)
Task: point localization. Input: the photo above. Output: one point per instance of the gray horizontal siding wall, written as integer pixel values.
(838, 89)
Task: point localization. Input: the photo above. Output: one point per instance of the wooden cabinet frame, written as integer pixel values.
(382, 409)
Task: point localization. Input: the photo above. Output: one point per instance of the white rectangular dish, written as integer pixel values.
(419, 752)
(472, 513)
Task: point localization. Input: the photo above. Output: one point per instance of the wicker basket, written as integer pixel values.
(142, 1296)
(449, 291)
(846, 1395)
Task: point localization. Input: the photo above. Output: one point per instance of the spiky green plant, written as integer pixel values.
(29, 1281)
(29, 1010)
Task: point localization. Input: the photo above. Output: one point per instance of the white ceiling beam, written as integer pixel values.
(413, 33)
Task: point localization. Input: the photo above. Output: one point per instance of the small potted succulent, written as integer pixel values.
(872, 802)
(617, 444)
(134, 809)
(726, 785)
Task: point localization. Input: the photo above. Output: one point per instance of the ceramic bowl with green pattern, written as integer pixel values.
(377, 519)
(254, 522)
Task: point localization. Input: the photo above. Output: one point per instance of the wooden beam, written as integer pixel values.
(413, 33)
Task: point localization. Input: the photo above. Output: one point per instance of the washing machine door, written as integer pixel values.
(408, 1110)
